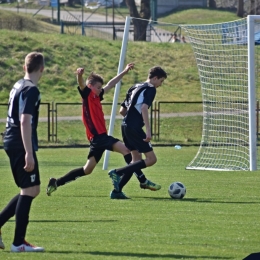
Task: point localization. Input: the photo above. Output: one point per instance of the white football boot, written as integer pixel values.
(26, 247)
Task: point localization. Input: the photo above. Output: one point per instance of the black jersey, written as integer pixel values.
(141, 93)
(24, 98)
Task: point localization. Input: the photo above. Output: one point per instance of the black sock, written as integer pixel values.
(129, 169)
(138, 173)
(9, 210)
(124, 180)
(71, 176)
(128, 158)
(140, 176)
(125, 177)
(22, 218)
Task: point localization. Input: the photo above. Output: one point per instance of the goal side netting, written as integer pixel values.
(227, 55)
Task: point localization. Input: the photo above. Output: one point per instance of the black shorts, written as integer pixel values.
(133, 139)
(22, 178)
(99, 144)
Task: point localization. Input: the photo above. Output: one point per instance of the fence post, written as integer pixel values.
(61, 27)
(257, 119)
(49, 128)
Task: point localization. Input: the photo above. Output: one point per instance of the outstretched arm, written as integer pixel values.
(80, 79)
(117, 78)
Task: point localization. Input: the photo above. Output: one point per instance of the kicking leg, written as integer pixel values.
(71, 175)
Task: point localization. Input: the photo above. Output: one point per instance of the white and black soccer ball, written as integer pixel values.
(177, 190)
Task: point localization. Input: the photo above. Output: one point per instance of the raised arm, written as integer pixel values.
(117, 78)
(80, 79)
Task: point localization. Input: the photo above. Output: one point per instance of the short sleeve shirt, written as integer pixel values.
(24, 98)
(141, 93)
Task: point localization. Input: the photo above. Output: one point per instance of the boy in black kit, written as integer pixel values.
(135, 111)
(21, 144)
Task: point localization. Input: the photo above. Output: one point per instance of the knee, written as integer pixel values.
(36, 192)
(150, 161)
(87, 171)
(126, 151)
(153, 161)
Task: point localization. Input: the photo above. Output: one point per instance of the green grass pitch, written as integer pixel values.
(217, 219)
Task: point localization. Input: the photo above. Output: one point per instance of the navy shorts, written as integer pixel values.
(133, 139)
(22, 178)
(100, 143)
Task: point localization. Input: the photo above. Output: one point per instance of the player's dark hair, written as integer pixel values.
(93, 78)
(33, 62)
(157, 72)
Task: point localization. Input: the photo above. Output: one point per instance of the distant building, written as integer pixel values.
(164, 6)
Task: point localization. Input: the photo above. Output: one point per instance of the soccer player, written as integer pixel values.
(21, 144)
(135, 111)
(93, 118)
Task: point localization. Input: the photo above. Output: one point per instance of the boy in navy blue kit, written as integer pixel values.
(21, 144)
(135, 111)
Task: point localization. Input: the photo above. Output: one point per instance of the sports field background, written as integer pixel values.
(217, 219)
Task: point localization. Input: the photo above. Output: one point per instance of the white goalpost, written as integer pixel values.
(117, 88)
(227, 56)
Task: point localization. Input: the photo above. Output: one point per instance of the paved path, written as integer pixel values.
(66, 15)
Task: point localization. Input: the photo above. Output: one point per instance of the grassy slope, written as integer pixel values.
(64, 53)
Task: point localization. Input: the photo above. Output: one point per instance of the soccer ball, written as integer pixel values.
(177, 190)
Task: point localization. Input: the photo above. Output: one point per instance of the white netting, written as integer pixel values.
(221, 53)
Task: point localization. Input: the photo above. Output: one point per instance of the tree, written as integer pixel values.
(240, 8)
(212, 4)
(252, 7)
(139, 25)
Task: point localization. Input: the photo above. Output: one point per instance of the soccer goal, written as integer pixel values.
(227, 57)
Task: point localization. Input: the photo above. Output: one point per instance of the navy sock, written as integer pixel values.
(71, 176)
(126, 177)
(124, 180)
(9, 210)
(22, 218)
(129, 169)
(140, 176)
(128, 158)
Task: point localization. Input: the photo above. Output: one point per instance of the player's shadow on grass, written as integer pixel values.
(68, 221)
(140, 255)
(200, 200)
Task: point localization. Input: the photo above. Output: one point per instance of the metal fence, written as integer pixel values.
(60, 123)
(114, 31)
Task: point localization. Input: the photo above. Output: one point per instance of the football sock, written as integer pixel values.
(71, 176)
(140, 176)
(138, 173)
(124, 180)
(128, 158)
(22, 218)
(129, 169)
(9, 210)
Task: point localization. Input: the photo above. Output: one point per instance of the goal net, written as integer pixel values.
(227, 56)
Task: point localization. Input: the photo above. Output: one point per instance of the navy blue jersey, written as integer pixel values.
(141, 93)
(24, 98)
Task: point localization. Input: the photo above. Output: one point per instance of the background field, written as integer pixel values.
(64, 53)
(218, 218)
